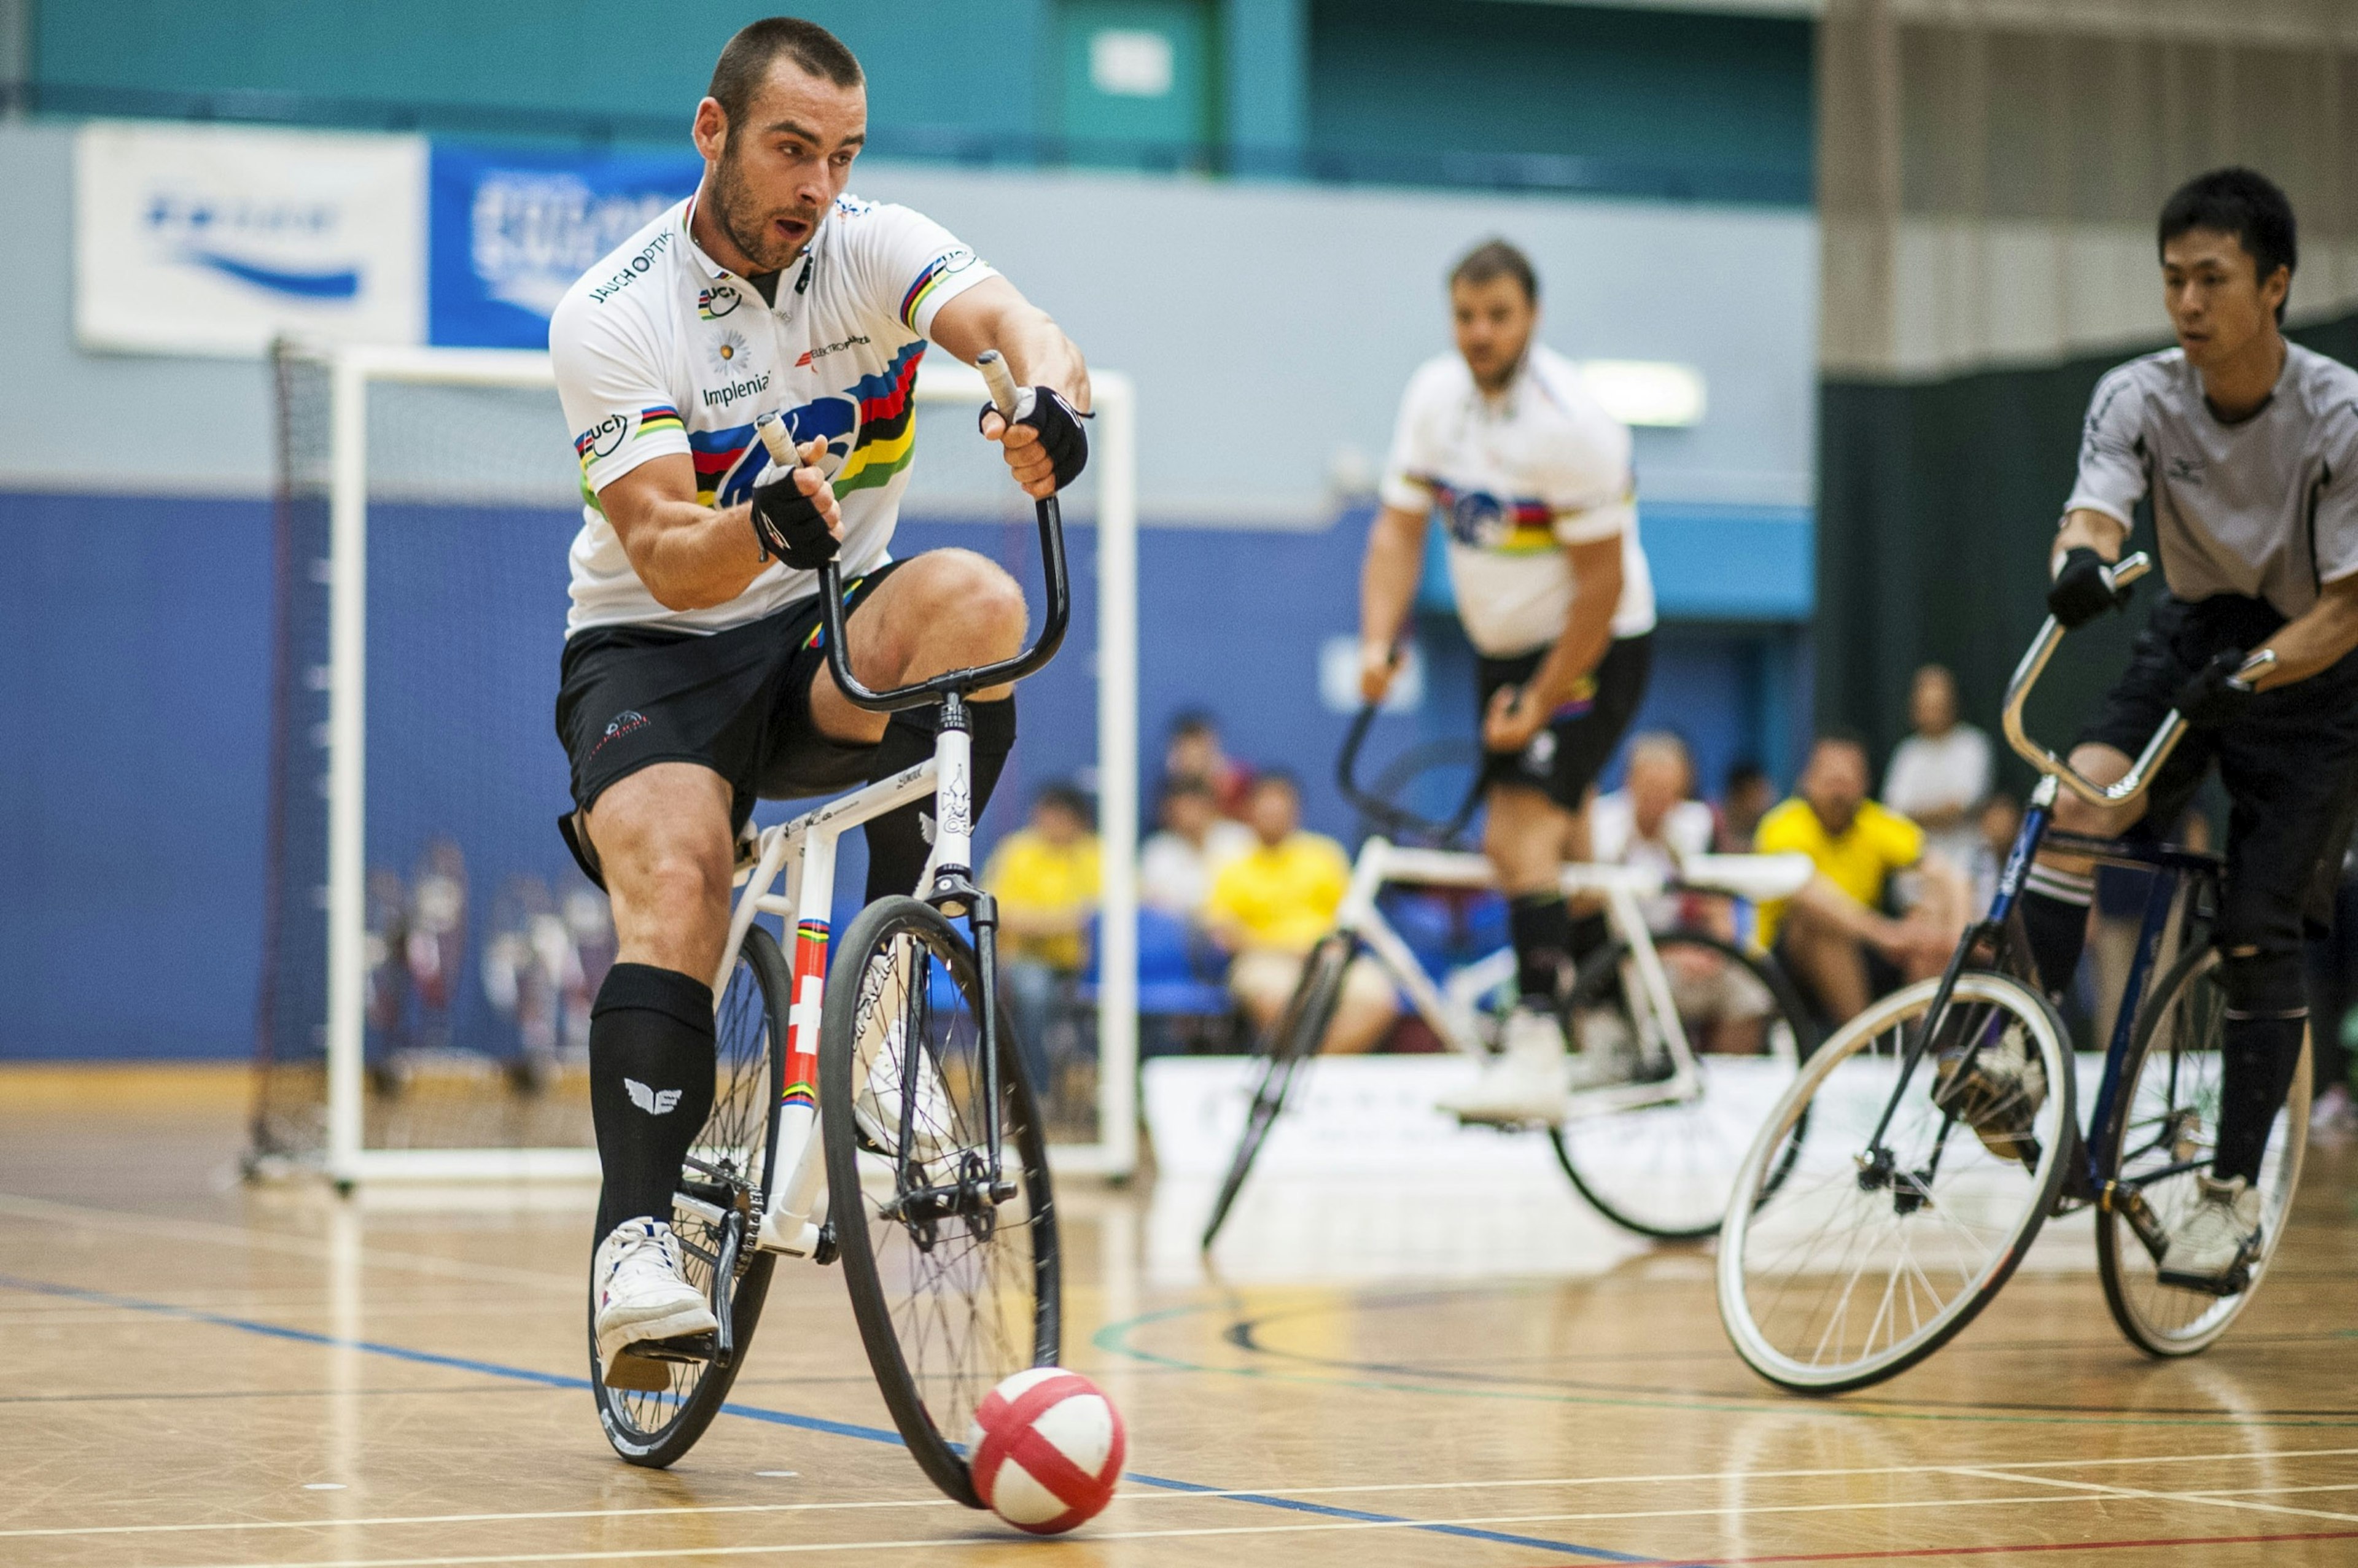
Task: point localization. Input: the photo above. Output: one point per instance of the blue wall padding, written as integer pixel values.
(134, 637)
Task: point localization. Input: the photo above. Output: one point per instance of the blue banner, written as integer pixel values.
(510, 229)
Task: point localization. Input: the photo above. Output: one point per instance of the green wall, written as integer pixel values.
(1937, 505)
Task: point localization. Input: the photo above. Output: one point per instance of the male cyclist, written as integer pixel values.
(693, 677)
(1533, 480)
(2247, 447)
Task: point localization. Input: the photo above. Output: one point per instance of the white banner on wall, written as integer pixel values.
(213, 240)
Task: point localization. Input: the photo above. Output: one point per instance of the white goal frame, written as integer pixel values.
(1113, 459)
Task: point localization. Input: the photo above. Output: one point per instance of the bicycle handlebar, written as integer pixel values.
(1003, 393)
(1395, 819)
(2017, 692)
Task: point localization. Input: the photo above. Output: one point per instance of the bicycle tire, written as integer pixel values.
(750, 1064)
(1293, 1041)
(1787, 1341)
(933, 1404)
(2165, 1321)
(1704, 1135)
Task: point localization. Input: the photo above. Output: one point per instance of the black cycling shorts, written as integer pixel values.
(2289, 765)
(1563, 759)
(736, 701)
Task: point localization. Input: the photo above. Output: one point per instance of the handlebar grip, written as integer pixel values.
(1000, 381)
(2126, 571)
(773, 431)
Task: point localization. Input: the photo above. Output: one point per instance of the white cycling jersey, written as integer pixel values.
(1517, 477)
(659, 349)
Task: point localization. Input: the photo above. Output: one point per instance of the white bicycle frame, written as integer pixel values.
(1619, 887)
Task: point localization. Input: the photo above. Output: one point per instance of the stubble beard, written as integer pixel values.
(746, 221)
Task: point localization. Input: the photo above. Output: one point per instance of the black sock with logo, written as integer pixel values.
(2054, 907)
(1543, 929)
(900, 842)
(650, 1066)
(2256, 1059)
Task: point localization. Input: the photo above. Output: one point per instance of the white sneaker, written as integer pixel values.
(1609, 1056)
(1525, 1083)
(642, 1292)
(2212, 1247)
(876, 1103)
(2000, 1097)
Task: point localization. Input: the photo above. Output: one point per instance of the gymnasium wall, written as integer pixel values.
(133, 620)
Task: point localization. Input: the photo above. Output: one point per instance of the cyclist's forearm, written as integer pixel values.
(2315, 640)
(1387, 578)
(691, 556)
(1820, 897)
(2087, 529)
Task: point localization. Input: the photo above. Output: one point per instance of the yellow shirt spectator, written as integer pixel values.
(1859, 860)
(1282, 896)
(1038, 881)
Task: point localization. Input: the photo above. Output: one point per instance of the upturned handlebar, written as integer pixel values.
(1394, 820)
(2141, 772)
(1003, 393)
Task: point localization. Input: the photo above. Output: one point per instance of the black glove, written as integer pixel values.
(2215, 695)
(1059, 424)
(787, 524)
(2078, 595)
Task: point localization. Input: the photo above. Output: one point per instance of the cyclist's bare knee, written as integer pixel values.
(944, 610)
(2099, 763)
(662, 837)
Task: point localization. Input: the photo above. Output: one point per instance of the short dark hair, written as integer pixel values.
(2243, 202)
(1494, 259)
(747, 58)
(1841, 735)
(1194, 721)
(1065, 798)
(1742, 774)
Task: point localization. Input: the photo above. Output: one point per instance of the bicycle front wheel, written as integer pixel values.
(1666, 1169)
(714, 1214)
(1873, 1251)
(951, 1257)
(2161, 1141)
(1293, 1041)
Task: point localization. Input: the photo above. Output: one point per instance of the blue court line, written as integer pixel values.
(774, 1417)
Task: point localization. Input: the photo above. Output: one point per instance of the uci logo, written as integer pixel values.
(711, 304)
(600, 439)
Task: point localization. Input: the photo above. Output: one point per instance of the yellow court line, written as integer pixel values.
(2098, 1490)
(1994, 1471)
(1329, 1527)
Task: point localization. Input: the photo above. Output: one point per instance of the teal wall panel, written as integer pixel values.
(1699, 105)
(1101, 111)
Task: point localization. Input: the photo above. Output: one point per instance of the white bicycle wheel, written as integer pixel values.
(1870, 1254)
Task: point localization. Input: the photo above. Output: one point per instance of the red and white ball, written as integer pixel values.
(1045, 1449)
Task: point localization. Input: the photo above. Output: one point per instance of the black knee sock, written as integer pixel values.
(1543, 933)
(2055, 918)
(900, 841)
(651, 1062)
(2256, 1068)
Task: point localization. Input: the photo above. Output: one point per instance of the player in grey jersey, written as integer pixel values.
(2247, 447)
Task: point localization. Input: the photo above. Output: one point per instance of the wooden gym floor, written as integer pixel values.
(197, 1374)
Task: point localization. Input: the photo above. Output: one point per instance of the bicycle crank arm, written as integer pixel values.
(2130, 1204)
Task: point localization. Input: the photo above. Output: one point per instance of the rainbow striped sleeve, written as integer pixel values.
(915, 301)
(662, 417)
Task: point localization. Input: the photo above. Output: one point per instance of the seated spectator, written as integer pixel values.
(1269, 906)
(1176, 864)
(1995, 825)
(1745, 797)
(1651, 822)
(1834, 936)
(1940, 774)
(1195, 754)
(1045, 876)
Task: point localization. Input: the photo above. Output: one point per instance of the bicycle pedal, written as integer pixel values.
(683, 1348)
(2233, 1282)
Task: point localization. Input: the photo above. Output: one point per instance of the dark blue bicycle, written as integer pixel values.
(1906, 1211)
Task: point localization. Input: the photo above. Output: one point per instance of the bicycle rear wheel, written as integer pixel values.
(2161, 1141)
(715, 1214)
(1292, 1042)
(1667, 1169)
(1869, 1255)
(952, 1264)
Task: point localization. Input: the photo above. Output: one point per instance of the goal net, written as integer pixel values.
(431, 950)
